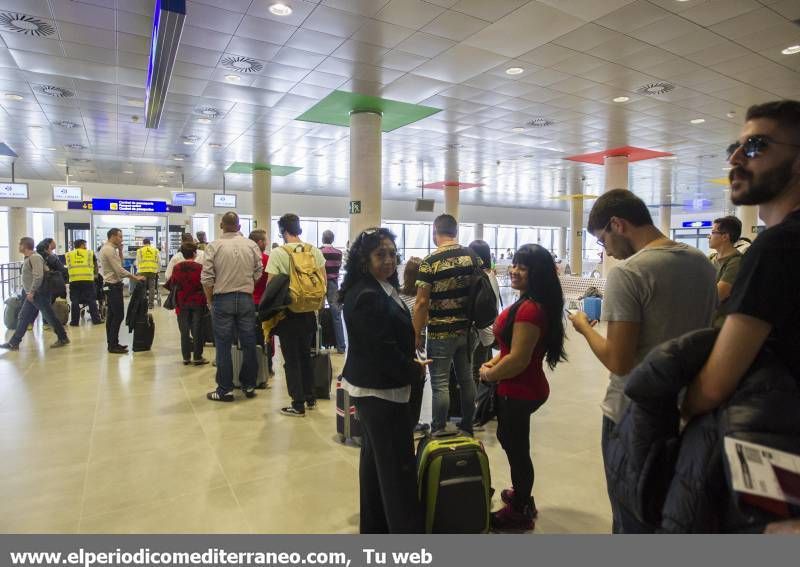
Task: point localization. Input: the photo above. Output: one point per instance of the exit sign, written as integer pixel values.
(355, 207)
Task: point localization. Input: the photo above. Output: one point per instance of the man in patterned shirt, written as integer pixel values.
(442, 294)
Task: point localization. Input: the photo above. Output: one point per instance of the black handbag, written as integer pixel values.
(171, 302)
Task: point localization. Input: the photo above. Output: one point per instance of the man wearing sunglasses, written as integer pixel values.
(764, 306)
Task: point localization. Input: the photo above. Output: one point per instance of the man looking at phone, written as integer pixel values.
(663, 290)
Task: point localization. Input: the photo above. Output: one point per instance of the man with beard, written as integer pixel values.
(662, 290)
(764, 305)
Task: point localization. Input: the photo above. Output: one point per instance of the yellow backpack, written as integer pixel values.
(307, 282)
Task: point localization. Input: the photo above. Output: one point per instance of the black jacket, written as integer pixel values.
(275, 297)
(137, 306)
(380, 336)
(678, 482)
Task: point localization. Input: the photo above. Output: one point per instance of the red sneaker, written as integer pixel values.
(507, 496)
(510, 520)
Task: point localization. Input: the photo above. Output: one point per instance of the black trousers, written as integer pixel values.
(388, 469)
(190, 324)
(83, 293)
(514, 434)
(296, 334)
(116, 314)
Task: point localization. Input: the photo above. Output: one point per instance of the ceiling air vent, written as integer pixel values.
(54, 91)
(207, 111)
(25, 24)
(76, 147)
(66, 124)
(655, 89)
(241, 64)
(540, 123)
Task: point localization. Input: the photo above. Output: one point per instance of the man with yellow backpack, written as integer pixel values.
(82, 267)
(148, 263)
(305, 266)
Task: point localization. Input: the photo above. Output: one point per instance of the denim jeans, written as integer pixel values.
(336, 311)
(446, 353)
(29, 312)
(234, 316)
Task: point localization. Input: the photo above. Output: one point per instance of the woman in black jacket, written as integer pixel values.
(378, 373)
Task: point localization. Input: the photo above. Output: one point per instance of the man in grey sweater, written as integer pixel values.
(37, 298)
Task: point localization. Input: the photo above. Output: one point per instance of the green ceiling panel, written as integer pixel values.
(336, 108)
(276, 170)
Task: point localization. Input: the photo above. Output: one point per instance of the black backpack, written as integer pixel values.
(482, 302)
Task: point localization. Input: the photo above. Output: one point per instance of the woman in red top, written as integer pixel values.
(191, 304)
(528, 333)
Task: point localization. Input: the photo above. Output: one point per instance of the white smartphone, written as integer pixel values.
(570, 311)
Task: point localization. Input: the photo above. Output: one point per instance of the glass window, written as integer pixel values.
(490, 237)
(246, 224)
(506, 238)
(4, 248)
(527, 235)
(310, 232)
(418, 236)
(201, 223)
(466, 234)
(43, 224)
(591, 249)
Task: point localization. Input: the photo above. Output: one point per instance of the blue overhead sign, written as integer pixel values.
(697, 224)
(89, 206)
(129, 206)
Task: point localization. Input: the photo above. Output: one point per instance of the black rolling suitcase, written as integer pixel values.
(143, 332)
(322, 369)
(454, 409)
(208, 329)
(327, 332)
(347, 424)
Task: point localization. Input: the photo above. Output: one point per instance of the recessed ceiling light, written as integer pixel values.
(179, 157)
(697, 120)
(594, 143)
(518, 129)
(128, 171)
(159, 186)
(51, 149)
(280, 9)
(233, 78)
(791, 50)
(669, 158)
(621, 99)
(14, 96)
(215, 146)
(204, 120)
(514, 71)
(135, 102)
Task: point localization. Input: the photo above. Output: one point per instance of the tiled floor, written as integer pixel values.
(92, 442)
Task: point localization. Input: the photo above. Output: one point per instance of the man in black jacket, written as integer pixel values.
(764, 305)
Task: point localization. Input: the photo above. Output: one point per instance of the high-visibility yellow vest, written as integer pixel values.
(147, 260)
(80, 263)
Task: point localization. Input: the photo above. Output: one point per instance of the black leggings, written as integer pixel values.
(514, 434)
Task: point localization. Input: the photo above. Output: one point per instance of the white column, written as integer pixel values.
(365, 171)
(576, 236)
(451, 201)
(616, 172)
(479, 231)
(748, 214)
(17, 228)
(616, 178)
(262, 200)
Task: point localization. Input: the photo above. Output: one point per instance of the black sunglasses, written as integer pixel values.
(754, 145)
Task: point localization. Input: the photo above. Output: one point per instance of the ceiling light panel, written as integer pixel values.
(166, 35)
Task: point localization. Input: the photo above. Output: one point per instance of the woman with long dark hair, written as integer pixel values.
(378, 374)
(529, 332)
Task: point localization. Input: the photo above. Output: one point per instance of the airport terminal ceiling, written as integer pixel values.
(519, 85)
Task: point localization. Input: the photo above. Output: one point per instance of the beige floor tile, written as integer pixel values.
(132, 443)
(137, 478)
(214, 511)
(324, 498)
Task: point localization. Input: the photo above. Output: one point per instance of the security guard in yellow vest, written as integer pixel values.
(82, 266)
(148, 263)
